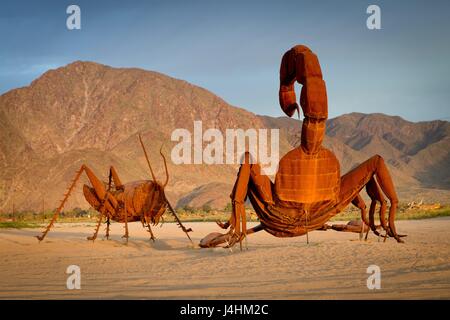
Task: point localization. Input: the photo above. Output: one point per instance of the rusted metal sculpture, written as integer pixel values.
(142, 200)
(308, 189)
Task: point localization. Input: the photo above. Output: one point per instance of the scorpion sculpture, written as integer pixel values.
(143, 200)
(308, 189)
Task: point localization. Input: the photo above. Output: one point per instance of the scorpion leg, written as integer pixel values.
(375, 194)
(373, 206)
(214, 239)
(361, 205)
(353, 226)
(238, 196)
(357, 178)
(223, 225)
(248, 177)
(385, 181)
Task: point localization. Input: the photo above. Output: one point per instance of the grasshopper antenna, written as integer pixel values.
(165, 166)
(146, 158)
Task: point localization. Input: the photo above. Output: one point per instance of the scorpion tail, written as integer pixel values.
(165, 165)
(146, 157)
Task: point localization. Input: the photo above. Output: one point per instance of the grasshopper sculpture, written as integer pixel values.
(142, 200)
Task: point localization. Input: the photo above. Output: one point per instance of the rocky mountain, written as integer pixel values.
(91, 113)
(417, 151)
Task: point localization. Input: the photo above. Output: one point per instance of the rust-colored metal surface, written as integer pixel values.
(308, 189)
(143, 200)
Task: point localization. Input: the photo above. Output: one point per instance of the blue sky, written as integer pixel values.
(234, 48)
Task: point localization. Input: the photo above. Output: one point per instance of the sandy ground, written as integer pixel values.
(332, 266)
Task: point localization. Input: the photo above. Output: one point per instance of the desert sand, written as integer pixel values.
(332, 266)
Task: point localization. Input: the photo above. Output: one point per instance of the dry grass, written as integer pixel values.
(33, 220)
(402, 214)
(17, 225)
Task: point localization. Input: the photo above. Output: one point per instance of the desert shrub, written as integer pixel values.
(228, 207)
(206, 208)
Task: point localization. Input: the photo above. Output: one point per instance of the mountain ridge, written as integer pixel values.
(86, 112)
